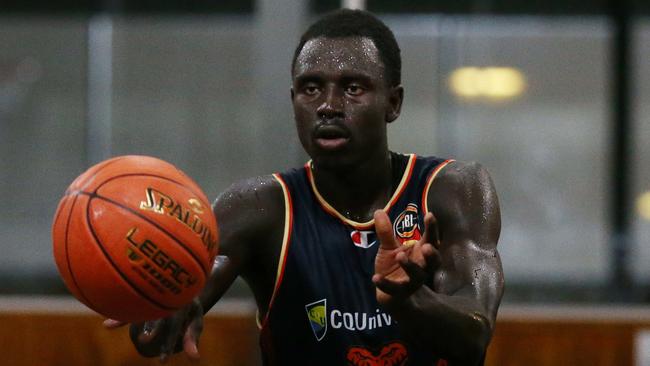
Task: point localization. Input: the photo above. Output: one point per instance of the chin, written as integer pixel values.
(341, 161)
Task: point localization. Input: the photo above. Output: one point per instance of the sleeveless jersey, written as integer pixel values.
(323, 310)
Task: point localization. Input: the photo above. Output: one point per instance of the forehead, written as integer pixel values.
(351, 54)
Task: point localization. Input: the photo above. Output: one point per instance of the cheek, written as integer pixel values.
(367, 114)
(369, 125)
(302, 115)
(303, 124)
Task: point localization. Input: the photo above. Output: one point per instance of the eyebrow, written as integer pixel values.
(307, 77)
(363, 77)
(345, 77)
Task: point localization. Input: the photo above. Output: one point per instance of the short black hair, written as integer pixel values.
(358, 23)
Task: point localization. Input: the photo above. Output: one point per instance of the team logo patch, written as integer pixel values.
(363, 239)
(392, 354)
(317, 315)
(406, 226)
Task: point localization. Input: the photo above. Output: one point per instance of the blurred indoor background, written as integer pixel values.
(552, 97)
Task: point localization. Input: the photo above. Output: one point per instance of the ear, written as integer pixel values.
(395, 98)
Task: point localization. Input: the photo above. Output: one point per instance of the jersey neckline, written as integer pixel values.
(406, 176)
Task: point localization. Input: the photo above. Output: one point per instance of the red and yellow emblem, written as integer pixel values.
(406, 226)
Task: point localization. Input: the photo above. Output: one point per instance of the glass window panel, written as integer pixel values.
(42, 134)
(183, 91)
(640, 254)
(546, 150)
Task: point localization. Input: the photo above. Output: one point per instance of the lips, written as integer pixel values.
(331, 136)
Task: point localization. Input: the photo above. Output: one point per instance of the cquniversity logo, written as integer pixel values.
(317, 314)
(344, 321)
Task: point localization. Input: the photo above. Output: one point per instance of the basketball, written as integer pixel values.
(134, 238)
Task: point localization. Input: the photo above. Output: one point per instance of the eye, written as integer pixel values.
(354, 89)
(310, 89)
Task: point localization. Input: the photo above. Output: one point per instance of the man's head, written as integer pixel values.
(356, 23)
(343, 92)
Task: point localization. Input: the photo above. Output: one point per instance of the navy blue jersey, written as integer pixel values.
(323, 310)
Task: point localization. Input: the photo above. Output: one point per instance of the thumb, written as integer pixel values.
(112, 323)
(193, 331)
(191, 340)
(384, 230)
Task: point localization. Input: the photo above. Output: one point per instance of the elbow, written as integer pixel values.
(478, 332)
(480, 337)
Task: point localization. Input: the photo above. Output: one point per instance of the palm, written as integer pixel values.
(387, 265)
(391, 259)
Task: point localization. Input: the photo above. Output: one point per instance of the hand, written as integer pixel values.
(163, 337)
(400, 270)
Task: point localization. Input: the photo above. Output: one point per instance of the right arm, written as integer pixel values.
(250, 218)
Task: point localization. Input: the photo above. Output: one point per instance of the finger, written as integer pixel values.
(431, 232)
(172, 336)
(415, 254)
(417, 275)
(191, 343)
(432, 258)
(150, 330)
(401, 257)
(112, 323)
(384, 230)
(392, 288)
(193, 333)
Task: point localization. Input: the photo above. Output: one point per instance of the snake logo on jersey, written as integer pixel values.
(392, 354)
(406, 226)
(317, 314)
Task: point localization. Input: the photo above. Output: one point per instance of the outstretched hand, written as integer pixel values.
(163, 337)
(400, 270)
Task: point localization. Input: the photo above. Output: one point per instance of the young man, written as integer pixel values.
(363, 255)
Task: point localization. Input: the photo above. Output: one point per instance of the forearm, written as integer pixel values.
(455, 327)
(221, 277)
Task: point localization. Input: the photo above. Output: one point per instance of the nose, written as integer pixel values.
(332, 105)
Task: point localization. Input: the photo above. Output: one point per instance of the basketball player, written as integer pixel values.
(362, 255)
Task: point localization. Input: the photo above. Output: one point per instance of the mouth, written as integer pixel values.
(331, 137)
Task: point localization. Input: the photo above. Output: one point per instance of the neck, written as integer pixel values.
(357, 192)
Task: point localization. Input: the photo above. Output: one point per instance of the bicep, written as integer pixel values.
(245, 212)
(470, 271)
(465, 203)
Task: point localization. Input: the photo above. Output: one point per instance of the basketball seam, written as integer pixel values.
(97, 172)
(152, 222)
(108, 257)
(95, 194)
(67, 257)
(148, 175)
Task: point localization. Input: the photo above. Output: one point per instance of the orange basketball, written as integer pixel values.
(134, 238)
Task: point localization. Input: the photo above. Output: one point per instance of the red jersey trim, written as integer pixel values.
(406, 177)
(286, 239)
(432, 176)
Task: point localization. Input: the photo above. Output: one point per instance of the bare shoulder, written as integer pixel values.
(250, 208)
(464, 200)
(252, 193)
(459, 175)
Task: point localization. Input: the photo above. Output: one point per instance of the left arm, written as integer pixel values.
(458, 251)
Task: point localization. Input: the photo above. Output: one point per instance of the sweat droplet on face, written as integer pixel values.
(337, 54)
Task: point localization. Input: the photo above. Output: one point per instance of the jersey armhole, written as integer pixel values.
(286, 238)
(427, 186)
